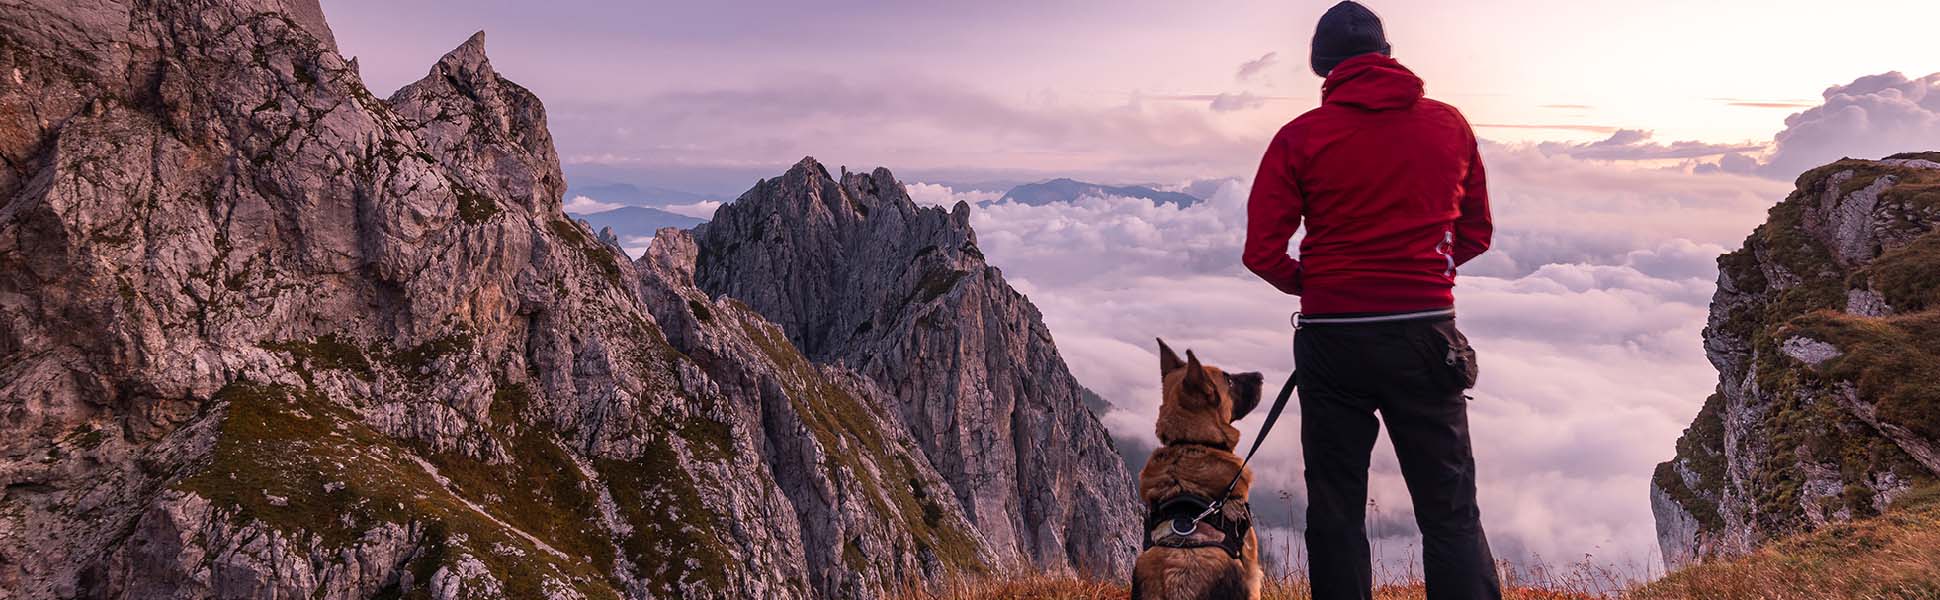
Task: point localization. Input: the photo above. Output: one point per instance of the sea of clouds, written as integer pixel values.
(1587, 315)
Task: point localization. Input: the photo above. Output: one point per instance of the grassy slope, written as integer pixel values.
(1890, 556)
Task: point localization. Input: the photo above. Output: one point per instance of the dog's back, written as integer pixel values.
(1163, 573)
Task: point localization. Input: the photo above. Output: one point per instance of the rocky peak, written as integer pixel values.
(851, 228)
(464, 107)
(858, 275)
(1814, 324)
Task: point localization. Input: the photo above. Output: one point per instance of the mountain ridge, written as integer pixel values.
(1065, 189)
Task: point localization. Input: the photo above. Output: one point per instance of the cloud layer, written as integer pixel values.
(1588, 316)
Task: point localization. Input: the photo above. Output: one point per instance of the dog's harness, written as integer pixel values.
(1191, 520)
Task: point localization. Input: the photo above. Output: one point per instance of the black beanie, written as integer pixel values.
(1346, 31)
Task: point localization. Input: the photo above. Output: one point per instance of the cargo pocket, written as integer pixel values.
(1453, 358)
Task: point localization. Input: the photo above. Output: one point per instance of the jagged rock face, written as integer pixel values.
(859, 275)
(265, 335)
(1815, 328)
(873, 513)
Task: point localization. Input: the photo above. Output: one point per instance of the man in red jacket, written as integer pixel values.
(1390, 187)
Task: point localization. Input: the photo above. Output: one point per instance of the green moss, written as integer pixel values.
(596, 254)
(326, 352)
(540, 491)
(332, 352)
(838, 419)
(675, 540)
(126, 289)
(935, 284)
(417, 360)
(473, 207)
(852, 555)
(1879, 355)
(301, 464)
(708, 439)
(1906, 277)
(1701, 450)
(85, 437)
(700, 310)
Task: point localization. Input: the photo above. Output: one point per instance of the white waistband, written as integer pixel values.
(1407, 316)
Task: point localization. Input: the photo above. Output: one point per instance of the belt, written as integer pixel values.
(1419, 315)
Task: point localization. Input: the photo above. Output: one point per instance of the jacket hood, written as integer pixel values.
(1371, 82)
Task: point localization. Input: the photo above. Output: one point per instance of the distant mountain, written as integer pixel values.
(637, 221)
(633, 195)
(1070, 190)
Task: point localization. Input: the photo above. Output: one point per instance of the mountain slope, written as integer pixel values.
(1823, 330)
(263, 334)
(859, 275)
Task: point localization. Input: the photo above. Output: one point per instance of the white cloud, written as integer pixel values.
(1872, 117)
(585, 205)
(1588, 317)
(703, 209)
(930, 194)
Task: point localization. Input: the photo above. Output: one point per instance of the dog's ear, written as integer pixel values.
(1245, 388)
(1168, 361)
(1196, 374)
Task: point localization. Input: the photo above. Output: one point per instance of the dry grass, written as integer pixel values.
(1893, 556)
(1057, 587)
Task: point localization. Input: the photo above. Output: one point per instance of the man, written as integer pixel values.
(1390, 187)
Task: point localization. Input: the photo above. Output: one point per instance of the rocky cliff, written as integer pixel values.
(1825, 330)
(859, 275)
(264, 334)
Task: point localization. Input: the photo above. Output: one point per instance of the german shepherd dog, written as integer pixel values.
(1197, 460)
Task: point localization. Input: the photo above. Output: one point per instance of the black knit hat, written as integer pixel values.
(1346, 31)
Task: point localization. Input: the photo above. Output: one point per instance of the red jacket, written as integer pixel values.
(1391, 189)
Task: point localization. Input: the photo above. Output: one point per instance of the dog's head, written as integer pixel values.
(1201, 401)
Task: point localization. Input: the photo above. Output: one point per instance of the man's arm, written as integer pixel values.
(1474, 228)
(1272, 215)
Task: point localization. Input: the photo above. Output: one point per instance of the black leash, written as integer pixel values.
(1272, 416)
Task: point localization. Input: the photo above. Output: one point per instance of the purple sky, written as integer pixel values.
(1130, 90)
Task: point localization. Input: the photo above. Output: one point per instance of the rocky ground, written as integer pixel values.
(265, 334)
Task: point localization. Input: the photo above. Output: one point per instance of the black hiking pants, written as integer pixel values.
(1403, 370)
